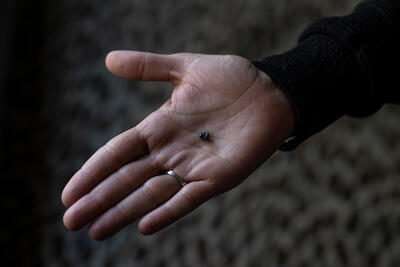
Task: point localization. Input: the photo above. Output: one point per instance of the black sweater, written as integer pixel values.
(341, 65)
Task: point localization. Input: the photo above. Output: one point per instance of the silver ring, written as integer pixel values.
(177, 177)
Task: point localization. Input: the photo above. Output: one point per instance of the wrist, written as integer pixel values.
(283, 113)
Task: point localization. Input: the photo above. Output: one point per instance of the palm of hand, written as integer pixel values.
(224, 95)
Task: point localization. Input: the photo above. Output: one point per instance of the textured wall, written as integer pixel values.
(333, 202)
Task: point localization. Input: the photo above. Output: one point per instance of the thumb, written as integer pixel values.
(146, 66)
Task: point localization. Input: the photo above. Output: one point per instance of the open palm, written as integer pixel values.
(246, 116)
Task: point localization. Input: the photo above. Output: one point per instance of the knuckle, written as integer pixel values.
(97, 198)
(123, 178)
(112, 153)
(149, 190)
(189, 199)
(141, 67)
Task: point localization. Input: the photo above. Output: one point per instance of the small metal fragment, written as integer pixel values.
(205, 136)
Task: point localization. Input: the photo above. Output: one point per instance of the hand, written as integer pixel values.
(247, 117)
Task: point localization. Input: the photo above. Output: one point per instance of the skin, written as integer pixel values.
(247, 117)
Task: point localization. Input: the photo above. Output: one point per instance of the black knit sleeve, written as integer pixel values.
(341, 65)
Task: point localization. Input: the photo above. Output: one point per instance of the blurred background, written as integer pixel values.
(335, 201)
